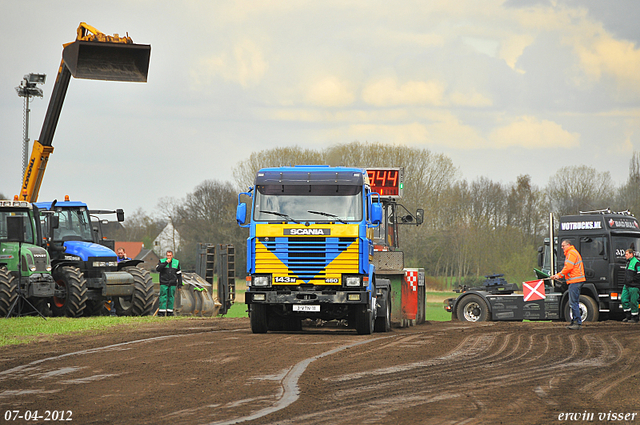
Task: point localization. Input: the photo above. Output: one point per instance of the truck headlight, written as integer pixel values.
(261, 280)
(49, 268)
(32, 268)
(259, 297)
(352, 281)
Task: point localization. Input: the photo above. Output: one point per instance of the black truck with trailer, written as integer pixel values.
(601, 237)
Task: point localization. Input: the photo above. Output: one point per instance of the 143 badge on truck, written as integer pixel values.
(284, 279)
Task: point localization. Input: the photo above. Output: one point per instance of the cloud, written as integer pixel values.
(471, 98)
(386, 92)
(330, 92)
(601, 54)
(512, 48)
(399, 134)
(244, 64)
(531, 133)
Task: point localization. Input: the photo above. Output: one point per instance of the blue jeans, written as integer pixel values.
(574, 298)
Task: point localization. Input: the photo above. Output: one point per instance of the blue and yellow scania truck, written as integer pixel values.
(310, 249)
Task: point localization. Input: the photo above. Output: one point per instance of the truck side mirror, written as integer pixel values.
(241, 213)
(376, 213)
(120, 215)
(15, 228)
(419, 216)
(540, 258)
(55, 221)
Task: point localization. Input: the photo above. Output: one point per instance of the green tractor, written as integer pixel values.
(26, 282)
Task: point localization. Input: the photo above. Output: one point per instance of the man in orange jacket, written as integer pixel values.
(573, 271)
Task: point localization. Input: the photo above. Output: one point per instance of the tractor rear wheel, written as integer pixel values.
(74, 301)
(143, 294)
(95, 308)
(8, 291)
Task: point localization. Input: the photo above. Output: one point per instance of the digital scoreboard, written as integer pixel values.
(388, 182)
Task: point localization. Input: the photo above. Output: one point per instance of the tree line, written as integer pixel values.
(471, 228)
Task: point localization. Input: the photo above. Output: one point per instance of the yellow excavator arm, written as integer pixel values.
(35, 172)
(93, 56)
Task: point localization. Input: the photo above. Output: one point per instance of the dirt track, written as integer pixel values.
(204, 371)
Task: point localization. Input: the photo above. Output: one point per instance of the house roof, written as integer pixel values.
(131, 248)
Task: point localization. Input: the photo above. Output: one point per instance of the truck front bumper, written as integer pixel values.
(307, 297)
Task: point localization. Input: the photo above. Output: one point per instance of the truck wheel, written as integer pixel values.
(364, 320)
(473, 308)
(71, 280)
(143, 294)
(383, 324)
(588, 309)
(258, 316)
(8, 291)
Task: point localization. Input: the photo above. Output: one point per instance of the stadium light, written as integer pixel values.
(28, 89)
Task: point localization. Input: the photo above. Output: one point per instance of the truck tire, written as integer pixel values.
(258, 317)
(143, 294)
(472, 308)
(588, 308)
(75, 287)
(8, 291)
(364, 320)
(383, 324)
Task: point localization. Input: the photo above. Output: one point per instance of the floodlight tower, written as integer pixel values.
(28, 89)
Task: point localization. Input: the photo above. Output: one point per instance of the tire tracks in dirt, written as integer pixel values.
(493, 360)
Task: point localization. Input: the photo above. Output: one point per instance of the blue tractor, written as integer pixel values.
(86, 272)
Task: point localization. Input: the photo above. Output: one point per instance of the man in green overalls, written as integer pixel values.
(631, 290)
(170, 276)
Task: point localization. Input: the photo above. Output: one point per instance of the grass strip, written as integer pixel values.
(21, 330)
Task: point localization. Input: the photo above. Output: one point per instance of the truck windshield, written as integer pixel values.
(304, 202)
(74, 225)
(623, 242)
(28, 228)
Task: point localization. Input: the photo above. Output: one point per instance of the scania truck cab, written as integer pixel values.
(310, 249)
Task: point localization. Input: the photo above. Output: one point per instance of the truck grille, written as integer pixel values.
(619, 277)
(307, 258)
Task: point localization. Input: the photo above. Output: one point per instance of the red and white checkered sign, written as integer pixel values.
(411, 276)
(533, 290)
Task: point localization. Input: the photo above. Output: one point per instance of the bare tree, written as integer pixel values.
(629, 194)
(245, 172)
(139, 226)
(207, 215)
(579, 188)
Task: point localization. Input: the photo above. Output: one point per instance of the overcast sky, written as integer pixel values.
(502, 87)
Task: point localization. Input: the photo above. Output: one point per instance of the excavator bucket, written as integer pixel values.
(107, 61)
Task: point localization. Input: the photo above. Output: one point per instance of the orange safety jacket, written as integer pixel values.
(573, 269)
